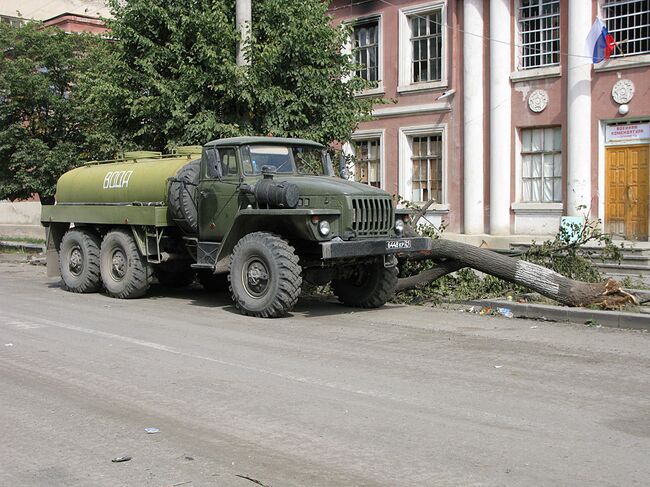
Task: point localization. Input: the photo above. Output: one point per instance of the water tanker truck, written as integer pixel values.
(256, 215)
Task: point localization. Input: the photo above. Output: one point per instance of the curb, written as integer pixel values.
(611, 319)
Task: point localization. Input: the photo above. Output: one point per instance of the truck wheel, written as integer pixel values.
(125, 273)
(370, 286)
(264, 276)
(79, 261)
(212, 282)
(174, 278)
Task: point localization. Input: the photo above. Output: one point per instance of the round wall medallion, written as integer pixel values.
(538, 100)
(623, 91)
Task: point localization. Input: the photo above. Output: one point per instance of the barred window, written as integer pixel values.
(367, 166)
(427, 168)
(541, 157)
(366, 50)
(539, 31)
(629, 23)
(426, 44)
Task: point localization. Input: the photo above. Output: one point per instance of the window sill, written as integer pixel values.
(537, 73)
(371, 92)
(421, 86)
(537, 208)
(633, 61)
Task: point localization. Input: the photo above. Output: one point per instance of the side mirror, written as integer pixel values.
(213, 162)
(343, 167)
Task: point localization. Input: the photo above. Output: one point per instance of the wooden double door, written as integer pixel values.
(626, 191)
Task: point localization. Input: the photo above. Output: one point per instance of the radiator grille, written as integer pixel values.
(372, 216)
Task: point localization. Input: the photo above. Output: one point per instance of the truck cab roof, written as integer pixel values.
(261, 140)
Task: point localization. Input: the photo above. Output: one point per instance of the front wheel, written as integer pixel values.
(368, 286)
(125, 273)
(264, 275)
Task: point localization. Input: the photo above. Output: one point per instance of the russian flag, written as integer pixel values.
(599, 44)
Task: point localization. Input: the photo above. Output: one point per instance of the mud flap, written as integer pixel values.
(51, 255)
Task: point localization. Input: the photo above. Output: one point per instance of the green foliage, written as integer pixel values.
(174, 78)
(572, 251)
(44, 129)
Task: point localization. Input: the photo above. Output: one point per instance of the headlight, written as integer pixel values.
(324, 228)
(399, 227)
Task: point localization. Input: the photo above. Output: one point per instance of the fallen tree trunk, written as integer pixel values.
(608, 294)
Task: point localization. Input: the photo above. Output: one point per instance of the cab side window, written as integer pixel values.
(228, 161)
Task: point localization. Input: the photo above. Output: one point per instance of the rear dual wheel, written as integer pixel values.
(79, 261)
(125, 272)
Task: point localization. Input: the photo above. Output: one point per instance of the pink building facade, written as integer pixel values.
(495, 111)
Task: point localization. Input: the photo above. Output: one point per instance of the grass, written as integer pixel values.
(30, 240)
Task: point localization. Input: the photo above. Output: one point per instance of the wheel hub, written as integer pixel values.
(256, 277)
(76, 261)
(118, 264)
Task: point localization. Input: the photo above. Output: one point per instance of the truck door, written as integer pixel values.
(218, 196)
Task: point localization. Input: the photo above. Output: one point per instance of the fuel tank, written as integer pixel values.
(136, 180)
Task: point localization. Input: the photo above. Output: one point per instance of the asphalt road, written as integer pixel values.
(402, 396)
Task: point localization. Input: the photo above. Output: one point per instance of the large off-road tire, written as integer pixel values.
(179, 277)
(264, 275)
(212, 282)
(182, 196)
(125, 272)
(79, 261)
(370, 286)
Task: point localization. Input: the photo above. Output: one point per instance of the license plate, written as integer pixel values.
(398, 244)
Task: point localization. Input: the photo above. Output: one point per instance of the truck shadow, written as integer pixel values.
(308, 306)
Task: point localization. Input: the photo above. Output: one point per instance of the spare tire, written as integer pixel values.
(182, 199)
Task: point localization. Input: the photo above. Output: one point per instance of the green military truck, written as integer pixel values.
(256, 215)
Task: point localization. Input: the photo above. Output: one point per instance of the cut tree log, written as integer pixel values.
(455, 255)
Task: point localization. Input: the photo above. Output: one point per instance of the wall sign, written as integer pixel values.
(629, 132)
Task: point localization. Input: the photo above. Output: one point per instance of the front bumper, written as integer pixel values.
(384, 246)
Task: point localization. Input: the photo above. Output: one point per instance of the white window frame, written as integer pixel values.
(536, 72)
(617, 55)
(519, 204)
(406, 167)
(405, 81)
(348, 149)
(348, 49)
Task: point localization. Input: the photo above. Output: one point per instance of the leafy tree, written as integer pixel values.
(44, 129)
(174, 78)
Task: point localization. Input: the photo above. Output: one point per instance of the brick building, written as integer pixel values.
(500, 117)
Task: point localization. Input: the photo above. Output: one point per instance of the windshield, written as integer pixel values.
(306, 160)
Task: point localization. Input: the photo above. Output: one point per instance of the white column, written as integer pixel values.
(500, 117)
(243, 18)
(579, 121)
(473, 116)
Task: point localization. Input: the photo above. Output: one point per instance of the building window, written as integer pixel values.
(426, 46)
(629, 23)
(422, 44)
(541, 159)
(367, 164)
(426, 164)
(366, 50)
(12, 21)
(539, 32)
